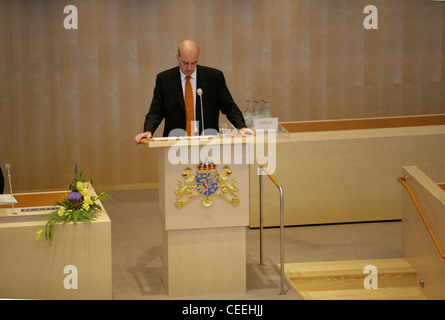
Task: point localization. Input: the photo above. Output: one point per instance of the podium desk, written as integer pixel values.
(204, 214)
(339, 171)
(31, 269)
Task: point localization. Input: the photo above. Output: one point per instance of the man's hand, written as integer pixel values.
(143, 135)
(247, 131)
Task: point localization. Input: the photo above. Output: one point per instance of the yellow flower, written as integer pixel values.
(79, 185)
(85, 206)
(61, 211)
(87, 200)
(38, 234)
(85, 192)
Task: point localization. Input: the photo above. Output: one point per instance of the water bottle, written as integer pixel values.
(256, 110)
(263, 109)
(266, 110)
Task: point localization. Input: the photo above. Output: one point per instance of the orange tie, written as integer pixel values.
(189, 108)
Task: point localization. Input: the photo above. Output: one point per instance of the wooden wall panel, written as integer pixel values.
(70, 96)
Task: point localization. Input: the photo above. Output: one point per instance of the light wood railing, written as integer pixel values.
(402, 181)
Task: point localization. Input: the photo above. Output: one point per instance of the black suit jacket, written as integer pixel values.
(168, 101)
(2, 181)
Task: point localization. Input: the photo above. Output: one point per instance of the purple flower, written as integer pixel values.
(74, 196)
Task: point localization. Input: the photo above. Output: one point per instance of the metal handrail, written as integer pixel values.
(402, 181)
(277, 184)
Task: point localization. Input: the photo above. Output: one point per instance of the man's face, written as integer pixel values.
(188, 60)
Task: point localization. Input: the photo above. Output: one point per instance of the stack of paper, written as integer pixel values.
(6, 199)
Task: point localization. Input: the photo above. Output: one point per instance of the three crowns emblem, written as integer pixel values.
(206, 182)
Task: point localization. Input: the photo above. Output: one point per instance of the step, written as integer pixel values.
(396, 279)
(404, 293)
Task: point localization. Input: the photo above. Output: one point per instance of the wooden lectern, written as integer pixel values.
(204, 207)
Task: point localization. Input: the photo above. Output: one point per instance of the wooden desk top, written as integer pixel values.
(35, 200)
(43, 199)
(372, 123)
(199, 141)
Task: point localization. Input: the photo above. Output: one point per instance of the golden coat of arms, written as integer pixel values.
(205, 183)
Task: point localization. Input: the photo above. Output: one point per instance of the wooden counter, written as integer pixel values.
(339, 171)
(31, 269)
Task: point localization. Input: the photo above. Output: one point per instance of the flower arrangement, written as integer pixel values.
(76, 205)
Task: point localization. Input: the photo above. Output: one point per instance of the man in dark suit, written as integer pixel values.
(2, 181)
(168, 97)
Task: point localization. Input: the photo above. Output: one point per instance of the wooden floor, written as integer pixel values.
(344, 280)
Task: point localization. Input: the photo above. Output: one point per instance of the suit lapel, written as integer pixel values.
(177, 88)
(201, 82)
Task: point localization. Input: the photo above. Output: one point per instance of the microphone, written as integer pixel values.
(199, 92)
(8, 167)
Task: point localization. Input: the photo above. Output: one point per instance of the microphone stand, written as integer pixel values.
(199, 91)
(8, 167)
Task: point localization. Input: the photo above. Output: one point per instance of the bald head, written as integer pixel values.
(187, 55)
(187, 46)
